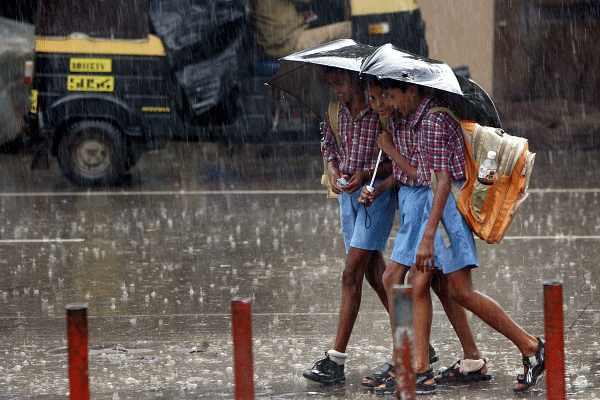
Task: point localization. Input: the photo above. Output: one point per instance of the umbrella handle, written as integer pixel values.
(370, 188)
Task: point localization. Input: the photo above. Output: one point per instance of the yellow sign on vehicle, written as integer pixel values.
(90, 83)
(369, 7)
(34, 102)
(90, 65)
(156, 109)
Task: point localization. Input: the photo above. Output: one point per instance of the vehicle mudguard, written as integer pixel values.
(92, 106)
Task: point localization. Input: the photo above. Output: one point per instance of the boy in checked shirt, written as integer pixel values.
(365, 234)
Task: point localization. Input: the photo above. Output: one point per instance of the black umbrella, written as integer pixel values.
(463, 95)
(475, 104)
(301, 74)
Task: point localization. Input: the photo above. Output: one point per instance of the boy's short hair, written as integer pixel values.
(370, 80)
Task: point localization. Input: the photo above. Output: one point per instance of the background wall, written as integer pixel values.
(461, 32)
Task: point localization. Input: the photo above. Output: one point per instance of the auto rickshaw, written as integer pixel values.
(105, 87)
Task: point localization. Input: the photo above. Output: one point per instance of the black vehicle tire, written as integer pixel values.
(93, 153)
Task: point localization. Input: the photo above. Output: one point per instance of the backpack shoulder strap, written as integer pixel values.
(334, 115)
(444, 109)
(469, 166)
(466, 135)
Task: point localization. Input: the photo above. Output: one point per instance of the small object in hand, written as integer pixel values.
(370, 188)
(342, 181)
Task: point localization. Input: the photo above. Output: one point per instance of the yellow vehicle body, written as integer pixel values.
(367, 7)
(376, 22)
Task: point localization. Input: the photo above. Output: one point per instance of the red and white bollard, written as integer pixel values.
(242, 348)
(555, 345)
(77, 339)
(404, 333)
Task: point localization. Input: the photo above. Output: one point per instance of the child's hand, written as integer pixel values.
(367, 198)
(355, 182)
(425, 255)
(385, 141)
(333, 177)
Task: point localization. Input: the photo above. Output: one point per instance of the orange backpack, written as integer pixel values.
(490, 209)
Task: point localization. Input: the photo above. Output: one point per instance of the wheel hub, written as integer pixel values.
(93, 156)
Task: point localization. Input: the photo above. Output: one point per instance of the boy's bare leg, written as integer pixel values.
(374, 275)
(461, 290)
(422, 316)
(394, 274)
(352, 280)
(457, 316)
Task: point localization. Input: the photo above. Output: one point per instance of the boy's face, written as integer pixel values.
(342, 85)
(379, 101)
(404, 102)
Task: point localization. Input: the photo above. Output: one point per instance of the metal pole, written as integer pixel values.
(242, 348)
(555, 347)
(77, 339)
(404, 332)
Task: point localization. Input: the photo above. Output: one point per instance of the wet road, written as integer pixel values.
(159, 259)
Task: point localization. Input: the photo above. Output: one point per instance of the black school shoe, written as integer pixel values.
(326, 371)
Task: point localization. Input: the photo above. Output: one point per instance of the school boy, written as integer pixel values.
(439, 147)
(354, 160)
(404, 153)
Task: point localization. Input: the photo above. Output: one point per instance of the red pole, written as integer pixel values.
(404, 332)
(555, 348)
(77, 339)
(242, 348)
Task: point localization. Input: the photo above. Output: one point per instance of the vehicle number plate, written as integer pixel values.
(90, 65)
(91, 83)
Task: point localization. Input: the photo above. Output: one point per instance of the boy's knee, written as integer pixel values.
(350, 278)
(388, 281)
(393, 275)
(459, 296)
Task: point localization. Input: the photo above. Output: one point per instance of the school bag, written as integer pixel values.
(334, 110)
(490, 209)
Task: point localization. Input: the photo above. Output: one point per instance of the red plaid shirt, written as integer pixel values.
(358, 140)
(430, 142)
(405, 143)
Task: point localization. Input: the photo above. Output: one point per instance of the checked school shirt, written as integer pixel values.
(358, 140)
(429, 142)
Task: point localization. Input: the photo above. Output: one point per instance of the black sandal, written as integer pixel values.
(389, 386)
(534, 368)
(454, 375)
(425, 388)
(378, 377)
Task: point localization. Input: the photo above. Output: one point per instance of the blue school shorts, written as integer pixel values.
(414, 204)
(462, 251)
(367, 232)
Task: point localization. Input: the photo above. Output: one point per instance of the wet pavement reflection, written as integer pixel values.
(159, 260)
